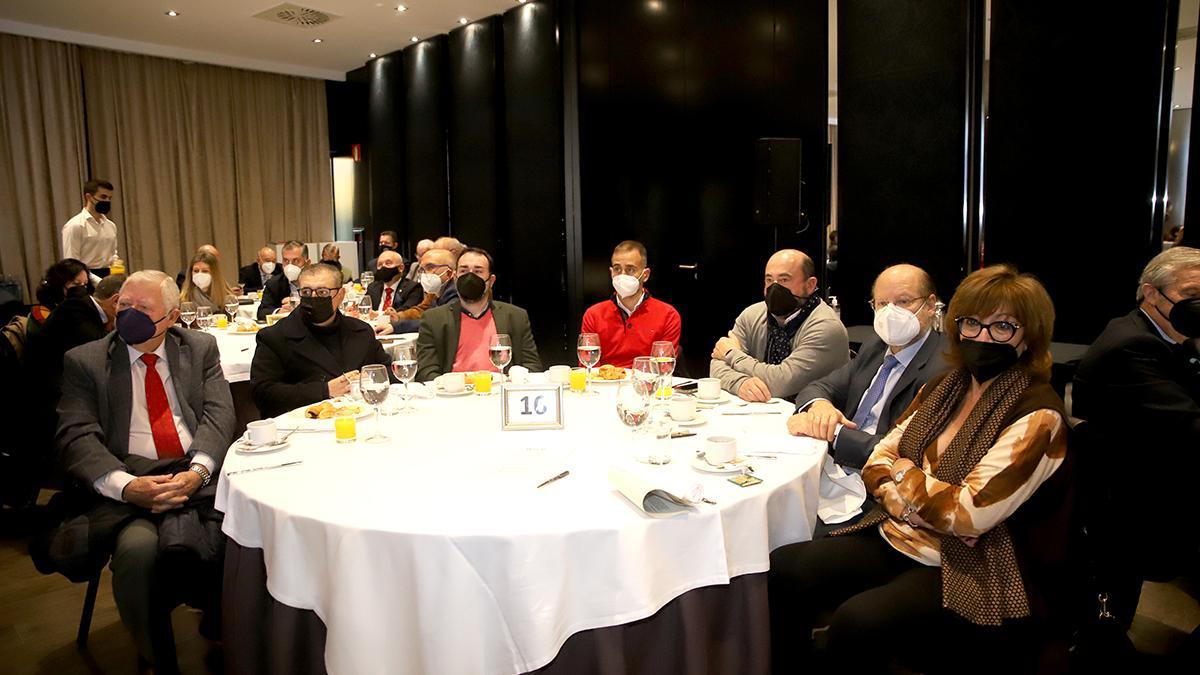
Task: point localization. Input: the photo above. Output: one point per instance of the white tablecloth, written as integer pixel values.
(436, 553)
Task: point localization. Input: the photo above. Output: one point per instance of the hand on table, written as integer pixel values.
(383, 329)
(160, 493)
(754, 390)
(820, 420)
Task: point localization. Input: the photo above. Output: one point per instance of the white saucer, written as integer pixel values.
(696, 421)
(723, 398)
(453, 394)
(735, 466)
(243, 447)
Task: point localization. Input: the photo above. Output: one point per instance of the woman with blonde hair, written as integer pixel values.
(204, 284)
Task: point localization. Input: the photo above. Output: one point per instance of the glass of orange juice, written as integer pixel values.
(483, 382)
(578, 380)
(344, 430)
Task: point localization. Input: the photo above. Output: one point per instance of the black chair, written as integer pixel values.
(89, 606)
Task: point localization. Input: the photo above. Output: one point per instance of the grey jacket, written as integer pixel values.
(818, 348)
(97, 401)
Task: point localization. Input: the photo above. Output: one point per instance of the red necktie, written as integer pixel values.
(162, 422)
(387, 302)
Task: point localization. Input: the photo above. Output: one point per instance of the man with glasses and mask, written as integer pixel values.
(1138, 387)
(144, 422)
(90, 236)
(855, 406)
(457, 337)
(630, 321)
(437, 270)
(277, 293)
(780, 345)
(314, 353)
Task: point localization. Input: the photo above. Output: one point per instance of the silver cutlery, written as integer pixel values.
(264, 468)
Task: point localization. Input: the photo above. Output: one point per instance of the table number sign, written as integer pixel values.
(531, 406)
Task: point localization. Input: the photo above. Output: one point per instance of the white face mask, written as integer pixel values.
(432, 283)
(268, 268)
(897, 326)
(625, 285)
(202, 280)
(292, 272)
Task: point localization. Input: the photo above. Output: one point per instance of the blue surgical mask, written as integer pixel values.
(135, 326)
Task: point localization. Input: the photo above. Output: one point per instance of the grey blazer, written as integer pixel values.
(97, 401)
(844, 388)
(437, 342)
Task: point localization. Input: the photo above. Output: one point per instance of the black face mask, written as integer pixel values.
(781, 302)
(470, 287)
(384, 248)
(315, 310)
(985, 360)
(386, 274)
(103, 207)
(1185, 316)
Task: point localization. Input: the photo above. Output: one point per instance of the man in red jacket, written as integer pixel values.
(630, 321)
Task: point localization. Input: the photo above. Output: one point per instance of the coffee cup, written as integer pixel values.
(453, 382)
(261, 432)
(708, 388)
(720, 450)
(560, 374)
(518, 374)
(682, 408)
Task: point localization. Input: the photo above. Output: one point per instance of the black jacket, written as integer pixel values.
(844, 388)
(278, 287)
(291, 368)
(250, 278)
(408, 294)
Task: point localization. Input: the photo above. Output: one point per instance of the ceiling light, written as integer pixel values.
(401, 8)
(414, 39)
(372, 55)
(1178, 67)
(462, 20)
(317, 41)
(172, 13)
(521, 2)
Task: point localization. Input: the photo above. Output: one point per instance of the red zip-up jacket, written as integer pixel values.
(622, 338)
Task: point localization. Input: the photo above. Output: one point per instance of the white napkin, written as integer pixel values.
(842, 493)
(416, 390)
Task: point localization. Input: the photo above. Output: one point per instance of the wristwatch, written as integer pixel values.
(203, 472)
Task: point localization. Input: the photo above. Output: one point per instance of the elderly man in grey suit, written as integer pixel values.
(144, 422)
(854, 406)
(779, 345)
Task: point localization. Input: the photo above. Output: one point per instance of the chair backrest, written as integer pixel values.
(12, 348)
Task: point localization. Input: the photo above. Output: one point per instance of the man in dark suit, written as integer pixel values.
(254, 277)
(856, 405)
(391, 292)
(277, 292)
(1138, 387)
(438, 268)
(145, 419)
(313, 353)
(457, 336)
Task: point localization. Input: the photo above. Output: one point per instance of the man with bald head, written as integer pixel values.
(438, 268)
(856, 405)
(391, 292)
(414, 273)
(780, 345)
(254, 277)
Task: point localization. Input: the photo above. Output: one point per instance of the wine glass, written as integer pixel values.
(404, 367)
(645, 374)
(295, 297)
(588, 350)
(368, 278)
(663, 353)
(187, 312)
(203, 317)
(373, 384)
(634, 411)
(231, 306)
(364, 307)
(500, 351)
(350, 306)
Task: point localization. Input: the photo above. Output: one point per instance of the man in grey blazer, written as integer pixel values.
(145, 419)
(856, 405)
(457, 336)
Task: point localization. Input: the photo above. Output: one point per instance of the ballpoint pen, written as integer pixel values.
(551, 480)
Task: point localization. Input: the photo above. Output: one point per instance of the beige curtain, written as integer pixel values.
(205, 154)
(42, 153)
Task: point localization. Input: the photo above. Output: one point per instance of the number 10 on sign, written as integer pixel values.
(531, 406)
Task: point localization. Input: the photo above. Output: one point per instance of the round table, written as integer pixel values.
(436, 552)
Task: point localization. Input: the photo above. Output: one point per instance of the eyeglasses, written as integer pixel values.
(906, 304)
(433, 268)
(626, 269)
(318, 292)
(1000, 331)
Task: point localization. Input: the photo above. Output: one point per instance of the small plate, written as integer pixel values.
(455, 394)
(243, 447)
(696, 421)
(723, 398)
(735, 466)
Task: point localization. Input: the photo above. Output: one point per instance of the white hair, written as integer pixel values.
(170, 292)
(1163, 268)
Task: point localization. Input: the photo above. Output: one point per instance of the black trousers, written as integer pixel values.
(881, 607)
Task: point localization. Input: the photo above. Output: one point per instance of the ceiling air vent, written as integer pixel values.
(295, 15)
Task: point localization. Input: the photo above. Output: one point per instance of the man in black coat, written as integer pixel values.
(856, 405)
(277, 293)
(315, 352)
(254, 277)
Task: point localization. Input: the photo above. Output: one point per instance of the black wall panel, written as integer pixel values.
(1070, 152)
(473, 123)
(425, 186)
(384, 152)
(902, 78)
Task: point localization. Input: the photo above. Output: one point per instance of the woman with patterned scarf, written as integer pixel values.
(960, 566)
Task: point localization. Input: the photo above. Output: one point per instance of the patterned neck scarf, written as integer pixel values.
(779, 338)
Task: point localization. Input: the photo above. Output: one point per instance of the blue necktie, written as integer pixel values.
(863, 415)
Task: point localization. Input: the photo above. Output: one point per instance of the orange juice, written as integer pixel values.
(222, 321)
(578, 380)
(483, 382)
(343, 429)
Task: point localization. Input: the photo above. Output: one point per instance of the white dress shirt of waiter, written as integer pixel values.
(745, 361)
(90, 236)
(905, 306)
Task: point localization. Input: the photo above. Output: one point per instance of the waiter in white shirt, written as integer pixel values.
(90, 236)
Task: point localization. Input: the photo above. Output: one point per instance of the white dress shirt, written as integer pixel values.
(90, 240)
(141, 437)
